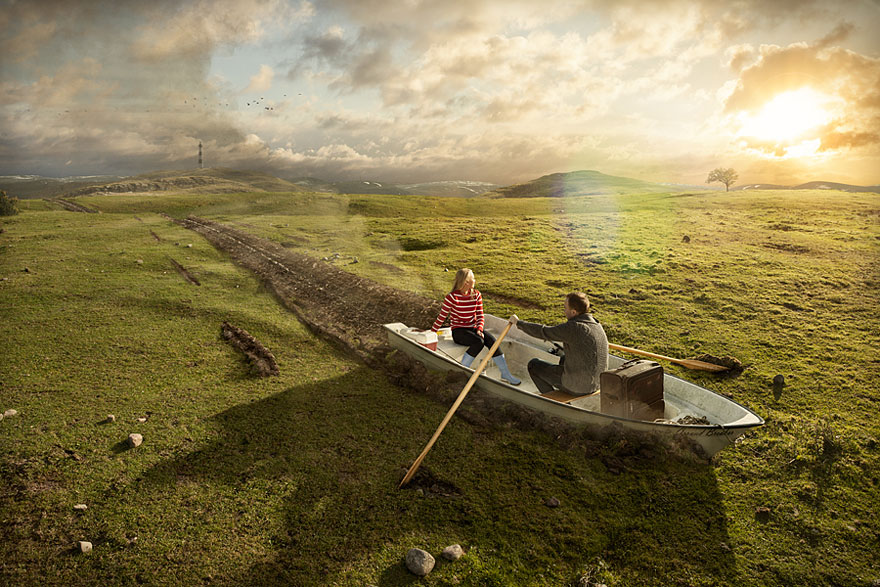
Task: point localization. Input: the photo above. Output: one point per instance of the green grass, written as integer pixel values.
(292, 479)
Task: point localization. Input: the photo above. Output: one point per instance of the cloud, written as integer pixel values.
(847, 78)
(193, 29)
(261, 81)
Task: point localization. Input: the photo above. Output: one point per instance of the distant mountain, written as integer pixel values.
(35, 186)
(454, 188)
(811, 185)
(223, 180)
(580, 183)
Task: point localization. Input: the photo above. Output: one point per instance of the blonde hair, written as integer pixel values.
(460, 277)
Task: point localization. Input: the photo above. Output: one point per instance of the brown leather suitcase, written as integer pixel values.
(634, 390)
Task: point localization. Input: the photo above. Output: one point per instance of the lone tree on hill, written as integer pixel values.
(726, 176)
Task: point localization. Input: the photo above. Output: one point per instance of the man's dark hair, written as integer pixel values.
(578, 302)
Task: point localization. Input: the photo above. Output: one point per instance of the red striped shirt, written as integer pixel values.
(464, 311)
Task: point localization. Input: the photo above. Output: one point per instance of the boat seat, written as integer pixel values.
(564, 397)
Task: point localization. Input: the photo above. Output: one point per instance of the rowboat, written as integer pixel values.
(710, 420)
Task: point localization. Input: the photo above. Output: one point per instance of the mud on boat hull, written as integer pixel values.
(729, 419)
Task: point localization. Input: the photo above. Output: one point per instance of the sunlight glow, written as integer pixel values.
(787, 117)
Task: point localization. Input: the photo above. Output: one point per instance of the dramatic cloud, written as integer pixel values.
(849, 84)
(464, 89)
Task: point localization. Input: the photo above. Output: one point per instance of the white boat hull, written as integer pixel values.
(729, 419)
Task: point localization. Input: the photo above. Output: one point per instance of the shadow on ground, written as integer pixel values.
(336, 449)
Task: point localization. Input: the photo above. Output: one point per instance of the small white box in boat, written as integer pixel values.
(445, 333)
(423, 337)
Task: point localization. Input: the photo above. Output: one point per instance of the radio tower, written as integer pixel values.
(200, 154)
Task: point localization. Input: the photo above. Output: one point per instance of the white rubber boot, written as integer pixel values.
(505, 372)
(467, 360)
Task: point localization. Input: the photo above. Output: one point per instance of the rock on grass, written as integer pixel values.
(135, 440)
(452, 553)
(419, 562)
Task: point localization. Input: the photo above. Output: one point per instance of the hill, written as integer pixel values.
(452, 188)
(579, 183)
(34, 186)
(215, 180)
(811, 185)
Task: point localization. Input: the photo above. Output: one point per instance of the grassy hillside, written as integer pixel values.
(291, 479)
(579, 183)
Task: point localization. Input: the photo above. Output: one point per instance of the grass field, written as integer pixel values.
(292, 479)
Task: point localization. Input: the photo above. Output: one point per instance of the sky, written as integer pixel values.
(481, 90)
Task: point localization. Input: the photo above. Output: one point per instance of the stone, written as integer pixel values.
(552, 502)
(9, 413)
(142, 419)
(140, 261)
(685, 239)
(110, 418)
(762, 514)
(452, 553)
(80, 507)
(84, 546)
(135, 440)
(779, 381)
(419, 562)
(189, 246)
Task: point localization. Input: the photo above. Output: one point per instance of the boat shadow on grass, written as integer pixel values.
(332, 453)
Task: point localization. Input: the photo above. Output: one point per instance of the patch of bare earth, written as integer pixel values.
(72, 206)
(183, 272)
(350, 311)
(262, 361)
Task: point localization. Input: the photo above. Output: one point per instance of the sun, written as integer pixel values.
(789, 121)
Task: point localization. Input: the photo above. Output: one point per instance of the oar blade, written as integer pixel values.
(702, 365)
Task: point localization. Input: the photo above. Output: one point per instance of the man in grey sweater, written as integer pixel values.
(585, 346)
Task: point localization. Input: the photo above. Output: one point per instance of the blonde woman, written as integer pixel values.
(464, 307)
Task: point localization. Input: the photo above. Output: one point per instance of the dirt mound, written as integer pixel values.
(261, 360)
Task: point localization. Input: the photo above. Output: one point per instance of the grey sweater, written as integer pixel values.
(586, 350)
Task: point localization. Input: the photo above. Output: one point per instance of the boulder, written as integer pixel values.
(84, 546)
(135, 440)
(419, 562)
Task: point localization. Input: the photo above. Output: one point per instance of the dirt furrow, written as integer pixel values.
(350, 311)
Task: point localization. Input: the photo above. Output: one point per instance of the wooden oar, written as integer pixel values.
(461, 396)
(689, 363)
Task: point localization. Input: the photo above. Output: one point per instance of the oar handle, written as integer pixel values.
(461, 396)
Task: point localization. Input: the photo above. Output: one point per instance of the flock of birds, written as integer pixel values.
(253, 103)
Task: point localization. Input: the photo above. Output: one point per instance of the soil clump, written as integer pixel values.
(261, 360)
